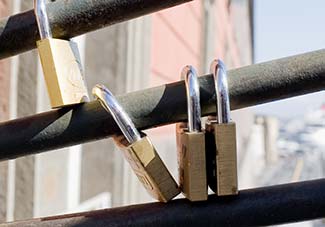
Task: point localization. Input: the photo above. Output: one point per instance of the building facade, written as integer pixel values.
(133, 55)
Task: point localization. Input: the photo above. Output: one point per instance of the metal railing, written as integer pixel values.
(72, 18)
(251, 85)
(254, 207)
(248, 86)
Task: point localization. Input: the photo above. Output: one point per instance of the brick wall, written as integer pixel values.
(176, 41)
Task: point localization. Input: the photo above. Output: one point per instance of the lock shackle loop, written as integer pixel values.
(42, 19)
(124, 122)
(192, 86)
(219, 71)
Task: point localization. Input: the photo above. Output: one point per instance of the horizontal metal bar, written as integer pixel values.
(248, 86)
(273, 205)
(18, 33)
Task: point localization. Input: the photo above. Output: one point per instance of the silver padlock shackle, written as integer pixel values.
(192, 86)
(42, 19)
(124, 122)
(219, 71)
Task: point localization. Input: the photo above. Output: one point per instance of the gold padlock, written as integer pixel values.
(221, 139)
(191, 143)
(139, 151)
(61, 64)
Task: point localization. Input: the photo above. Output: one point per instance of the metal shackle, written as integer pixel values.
(218, 69)
(124, 122)
(42, 19)
(192, 86)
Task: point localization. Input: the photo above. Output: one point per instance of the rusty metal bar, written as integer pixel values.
(248, 86)
(18, 33)
(273, 205)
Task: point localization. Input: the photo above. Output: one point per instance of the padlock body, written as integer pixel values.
(63, 72)
(151, 170)
(222, 152)
(192, 165)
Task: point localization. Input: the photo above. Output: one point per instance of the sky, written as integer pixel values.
(284, 28)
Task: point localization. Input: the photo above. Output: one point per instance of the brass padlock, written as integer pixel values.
(221, 139)
(191, 143)
(139, 151)
(61, 64)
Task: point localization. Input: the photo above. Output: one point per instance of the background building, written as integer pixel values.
(145, 52)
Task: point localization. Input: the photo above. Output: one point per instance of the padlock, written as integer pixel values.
(221, 139)
(139, 151)
(61, 64)
(191, 143)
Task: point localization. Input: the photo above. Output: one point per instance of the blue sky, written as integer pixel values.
(284, 28)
